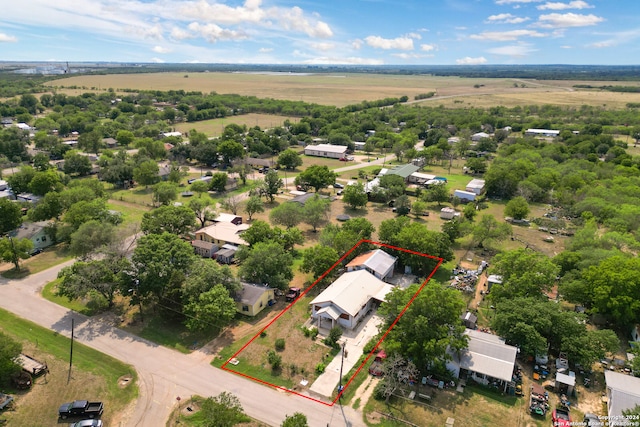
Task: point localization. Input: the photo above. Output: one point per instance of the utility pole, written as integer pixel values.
(71, 351)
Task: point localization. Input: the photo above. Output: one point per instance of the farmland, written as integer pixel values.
(345, 89)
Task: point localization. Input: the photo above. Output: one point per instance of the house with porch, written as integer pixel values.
(252, 299)
(377, 262)
(208, 240)
(34, 231)
(487, 360)
(348, 300)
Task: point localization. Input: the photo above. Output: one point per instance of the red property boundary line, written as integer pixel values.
(440, 260)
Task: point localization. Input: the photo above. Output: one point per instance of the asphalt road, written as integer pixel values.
(164, 374)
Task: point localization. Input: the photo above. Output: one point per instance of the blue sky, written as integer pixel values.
(438, 32)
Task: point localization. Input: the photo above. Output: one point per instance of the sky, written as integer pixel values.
(322, 32)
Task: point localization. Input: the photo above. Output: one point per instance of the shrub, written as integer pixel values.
(334, 335)
(320, 367)
(274, 359)
(279, 344)
(369, 345)
(263, 334)
(313, 333)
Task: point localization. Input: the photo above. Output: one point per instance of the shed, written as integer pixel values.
(447, 213)
(377, 262)
(566, 383)
(477, 137)
(475, 186)
(469, 320)
(492, 280)
(465, 196)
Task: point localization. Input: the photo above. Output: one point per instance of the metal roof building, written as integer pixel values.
(377, 262)
(623, 393)
(487, 358)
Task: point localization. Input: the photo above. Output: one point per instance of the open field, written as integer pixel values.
(95, 376)
(345, 89)
(215, 127)
(51, 256)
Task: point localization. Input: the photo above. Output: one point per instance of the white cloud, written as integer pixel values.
(7, 38)
(357, 44)
(180, 34)
(566, 20)
(220, 13)
(471, 61)
(323, 46)
(505, 18)
(518, 51)
(294, 19)
(414, 36)
(566, 47)
(402, 43)
(578, 4)
(506, 35)
(157, 60)
(603, 44)
(427, 47)
(213, 33)
(160, 49)
(503, 2)
(265, 49)
(405, 55)
(347, 60)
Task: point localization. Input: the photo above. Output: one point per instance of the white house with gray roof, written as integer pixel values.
(377, 262)
(348, 300)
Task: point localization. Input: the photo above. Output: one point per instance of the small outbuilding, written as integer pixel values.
(252, 299)
(475, 186)
(377, 262)
(447, 213)
(465, 196)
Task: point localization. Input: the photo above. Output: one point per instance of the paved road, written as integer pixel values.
(164, 374)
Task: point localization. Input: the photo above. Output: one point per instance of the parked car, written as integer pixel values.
(79, 408)
(338, 185)
(36, 251)
(87, 423)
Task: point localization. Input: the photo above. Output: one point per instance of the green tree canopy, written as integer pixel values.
(355, 196)
(212, 309)
(146, 173)
(316, 176)
(315, 211)
(10, 216)
(271, 185)
(288, 214)
(517, 208)
(10, 349)
(318, 259)
(171, 219)
(13, 250)
(223, 410)
(165, 193)
(430, 324)
(266, 263)
(253, 206)
(289, 159)
(298, 419)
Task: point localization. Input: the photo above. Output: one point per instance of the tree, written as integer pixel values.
(437, 193)
(477, 164)
(271, 185)
(10, 349)
(204, 274)
(317, 177)
(223, 410)
(355, 195)
(157, 258)
(488, 230)
(430, 325)
(230, 150)
(470, 211)
(10, 216)
(13, 250)
(298, 419)
(231, 203)
(260, 231)
(45, 182)
(266, 263)
(165, 192)
(288, 214)
(517, 208)
(393, 185)
(91, 142)
(289, 159)
(202, 210)
(254, 205)
(19, 181)
(124, 137)
(101, 276)
(146, 173)
(177, 220)
(218, 182)
(396, 372)
(91, 236)
(41, 162)
(76, 164)
(200, 187)
(315, 211)
(525, 273)
(29, 102)
(403, 205)
(211, 310)
(418, 208)
(318, 259)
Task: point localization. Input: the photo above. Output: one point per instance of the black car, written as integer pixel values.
(338, 185)
(36, 251)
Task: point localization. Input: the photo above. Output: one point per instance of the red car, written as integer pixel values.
(561, 418)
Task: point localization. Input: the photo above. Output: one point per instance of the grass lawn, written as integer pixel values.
(94, 376)
(49, 293)
(141, 195)
(131, 212)
(476, 406)
(50, 257)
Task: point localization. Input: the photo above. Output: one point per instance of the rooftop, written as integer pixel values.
(377, 260)
(487, 354)
(404, 170)
(225, 231)
(352, 290)
(250, 293)
(328, 148)
(624, 392)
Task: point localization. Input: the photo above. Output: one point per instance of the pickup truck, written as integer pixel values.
(292, 294)
(82, 408)
(377, 367)
(561, 418)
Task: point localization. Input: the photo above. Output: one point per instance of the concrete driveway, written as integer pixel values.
(353, 342)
